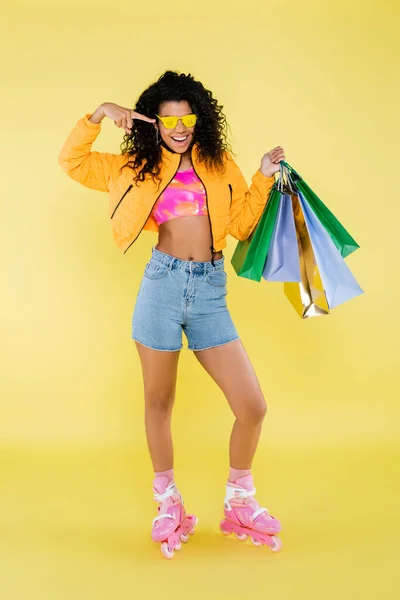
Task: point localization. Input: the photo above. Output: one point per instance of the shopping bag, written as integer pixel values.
(308, 296)
(323, 279)
(250, 255)
(339, 235)
(337, 279)
(283, 262)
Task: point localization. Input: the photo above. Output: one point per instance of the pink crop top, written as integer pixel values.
(184, 196)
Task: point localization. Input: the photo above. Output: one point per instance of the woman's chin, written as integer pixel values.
(179, 147)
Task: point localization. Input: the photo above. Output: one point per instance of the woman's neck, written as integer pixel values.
(186, 161)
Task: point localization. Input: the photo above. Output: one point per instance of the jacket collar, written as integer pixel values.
(169, 157)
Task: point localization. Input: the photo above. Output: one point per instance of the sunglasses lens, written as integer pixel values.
(170, 122)
(189, 120)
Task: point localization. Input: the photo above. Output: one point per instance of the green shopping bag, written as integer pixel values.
(250, 255)
(340, 237)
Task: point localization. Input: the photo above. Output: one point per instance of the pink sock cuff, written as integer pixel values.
(235, 474)
(169, 473)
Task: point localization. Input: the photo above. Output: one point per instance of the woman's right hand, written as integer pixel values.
(122, 117)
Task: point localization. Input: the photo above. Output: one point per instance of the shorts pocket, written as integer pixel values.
(154, 270)
(216, 278)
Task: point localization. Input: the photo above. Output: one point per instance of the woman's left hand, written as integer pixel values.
(270, 161)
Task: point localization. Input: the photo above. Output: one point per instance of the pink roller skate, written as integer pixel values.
(172, 525)
(245, 517)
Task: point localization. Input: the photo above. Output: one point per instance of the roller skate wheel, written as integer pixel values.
(222, 528)
(191, 531)
(178, 546)
(277, 543)
(241, 536)
(184, 537)
(256, 542)
(166, 551)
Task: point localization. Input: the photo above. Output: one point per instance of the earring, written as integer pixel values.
(158, 139)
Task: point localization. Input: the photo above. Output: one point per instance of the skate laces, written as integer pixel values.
(169, 492)
(236, 492)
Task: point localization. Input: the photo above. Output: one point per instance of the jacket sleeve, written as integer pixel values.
(247, 203)
(94, 170)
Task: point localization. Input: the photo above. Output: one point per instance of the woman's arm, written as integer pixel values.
(247, 202)
(94, 170)
(98, 115)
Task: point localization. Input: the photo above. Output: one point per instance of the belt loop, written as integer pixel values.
(171, 262)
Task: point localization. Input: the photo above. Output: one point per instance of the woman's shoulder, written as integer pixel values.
(229, 161)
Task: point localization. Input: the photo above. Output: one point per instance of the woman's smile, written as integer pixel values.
(180, 140)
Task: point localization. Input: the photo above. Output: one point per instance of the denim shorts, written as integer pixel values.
(176, 295)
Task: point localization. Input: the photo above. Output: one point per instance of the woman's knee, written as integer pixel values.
(253, 410)
(159, 404)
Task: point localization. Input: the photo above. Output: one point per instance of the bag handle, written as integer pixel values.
(286, 164)
(285, 181)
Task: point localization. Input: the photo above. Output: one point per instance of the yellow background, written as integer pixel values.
(318, 78)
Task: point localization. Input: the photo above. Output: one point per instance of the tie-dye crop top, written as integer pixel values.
(184, 196)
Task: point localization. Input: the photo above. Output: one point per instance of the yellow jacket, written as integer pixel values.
(233, 207)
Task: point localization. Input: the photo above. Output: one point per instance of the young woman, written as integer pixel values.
(175, 176)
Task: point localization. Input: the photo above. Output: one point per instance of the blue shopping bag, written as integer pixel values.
(283, 263)
(337, 279)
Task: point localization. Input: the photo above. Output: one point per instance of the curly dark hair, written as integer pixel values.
(209, 133)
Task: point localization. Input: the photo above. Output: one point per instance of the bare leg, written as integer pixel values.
(230, 367)
(159, 378)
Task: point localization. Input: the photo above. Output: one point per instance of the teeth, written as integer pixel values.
(179, 139)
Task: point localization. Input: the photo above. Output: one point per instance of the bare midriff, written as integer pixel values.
(187, 238)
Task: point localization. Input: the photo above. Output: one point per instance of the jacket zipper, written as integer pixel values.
(213, 250)
(121, 200)
(126, 249)
(230, 189)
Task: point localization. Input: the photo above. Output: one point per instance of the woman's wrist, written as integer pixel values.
(266, 174)
(98, 115)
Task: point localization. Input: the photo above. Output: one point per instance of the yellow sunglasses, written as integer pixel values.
(171, 122)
